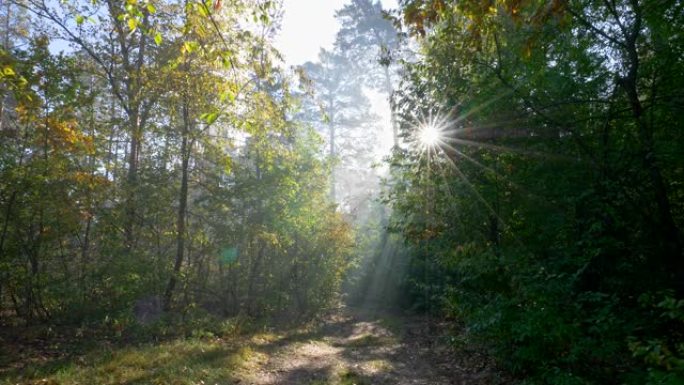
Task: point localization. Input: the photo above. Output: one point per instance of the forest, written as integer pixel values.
(452, 192)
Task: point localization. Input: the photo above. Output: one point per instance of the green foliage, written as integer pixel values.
(540, 218)
(127, 172)
(663, 355)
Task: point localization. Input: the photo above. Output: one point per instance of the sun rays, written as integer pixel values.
(438, 141)
(430, 132)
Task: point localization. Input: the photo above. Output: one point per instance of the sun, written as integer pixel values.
(429, 135)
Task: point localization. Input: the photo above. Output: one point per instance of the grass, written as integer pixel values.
(203, 351)
(217, 353)
(352, 378)
(180, 362)
(379, 365)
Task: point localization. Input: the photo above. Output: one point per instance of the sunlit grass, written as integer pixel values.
(378, 366)
(266, 338)
(186, 361)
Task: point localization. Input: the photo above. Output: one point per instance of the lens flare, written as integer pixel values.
(431, 132)
(429, 135)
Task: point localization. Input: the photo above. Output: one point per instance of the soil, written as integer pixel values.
(364, 348)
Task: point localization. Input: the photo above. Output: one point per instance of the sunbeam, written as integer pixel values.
(482, 106)
(504, 149)
(435, 135)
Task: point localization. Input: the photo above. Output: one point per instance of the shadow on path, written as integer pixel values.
(367, 348)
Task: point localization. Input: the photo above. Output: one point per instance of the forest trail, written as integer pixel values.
(358, 347)
(346, 347)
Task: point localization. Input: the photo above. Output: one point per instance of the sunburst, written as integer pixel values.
(429, 135)
(431, 132)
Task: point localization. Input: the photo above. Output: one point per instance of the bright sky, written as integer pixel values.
(308, 26)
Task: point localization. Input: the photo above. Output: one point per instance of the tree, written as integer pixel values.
(544, 181)
(157, 163)
(371, 42)
(340, 107)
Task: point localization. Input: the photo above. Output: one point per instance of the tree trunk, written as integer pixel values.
(182, 210)
(134, 88)
(671, 233)
(132, 180)
(393, 121)
(254, 270)
(331, 127)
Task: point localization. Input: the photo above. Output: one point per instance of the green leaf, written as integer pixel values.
(227, 95)
(8, 71)
(151, 8)
(79, 19)
(203, 11)
(158, 38)
(132, 24)
(189, 46)
(211, 117)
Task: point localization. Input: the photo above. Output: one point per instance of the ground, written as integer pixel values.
(355, 347)
(345, 348)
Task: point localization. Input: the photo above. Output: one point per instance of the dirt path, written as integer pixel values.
(357, 348)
